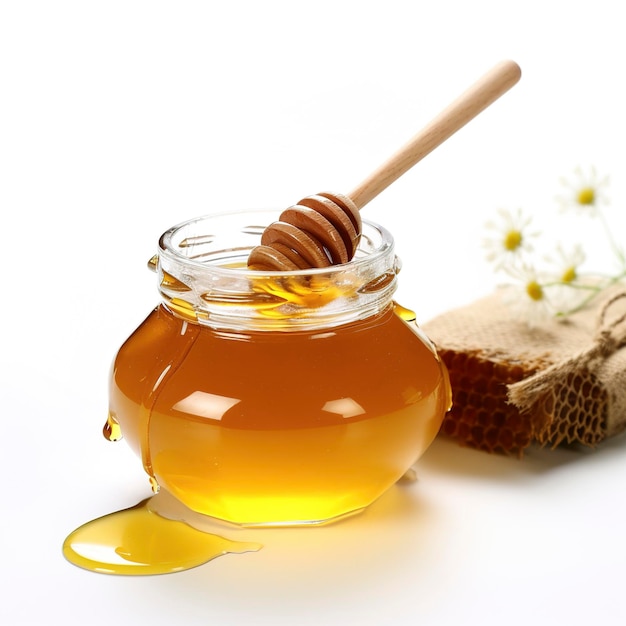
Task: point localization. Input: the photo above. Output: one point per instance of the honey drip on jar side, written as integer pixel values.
(174, 355)
(137, 541)
(111, 429)
(403, 313)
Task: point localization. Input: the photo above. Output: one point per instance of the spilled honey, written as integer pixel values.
(138, 542)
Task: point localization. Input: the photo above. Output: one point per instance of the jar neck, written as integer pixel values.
(203, 278)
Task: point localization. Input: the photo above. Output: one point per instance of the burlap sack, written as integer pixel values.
(561, 382)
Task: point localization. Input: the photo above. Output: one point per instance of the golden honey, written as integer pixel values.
(138, 541)
(276, 398)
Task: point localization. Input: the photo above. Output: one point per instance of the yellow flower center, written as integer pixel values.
(512, 240)
(534, 290)
(569, 275)
(586, 196)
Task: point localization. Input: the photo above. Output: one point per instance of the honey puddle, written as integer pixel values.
(139, 541)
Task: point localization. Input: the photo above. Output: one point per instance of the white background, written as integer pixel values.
(120, 119)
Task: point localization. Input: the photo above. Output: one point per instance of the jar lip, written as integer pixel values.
(167, 245)
(203, 276)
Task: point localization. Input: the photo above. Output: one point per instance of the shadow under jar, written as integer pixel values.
(275, 398)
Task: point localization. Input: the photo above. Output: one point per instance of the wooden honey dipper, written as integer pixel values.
(324, 229)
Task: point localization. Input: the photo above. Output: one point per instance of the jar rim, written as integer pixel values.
(203, 276)
(167, 245)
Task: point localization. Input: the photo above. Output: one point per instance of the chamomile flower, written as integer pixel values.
(584, 192)
(511, 238)
(567, 263)
(568, 287)
(528, 296)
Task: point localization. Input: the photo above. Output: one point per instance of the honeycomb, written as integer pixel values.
(575, 411)
(514, 386)
(481, 416)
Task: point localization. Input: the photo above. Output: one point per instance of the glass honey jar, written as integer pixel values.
(275, 398)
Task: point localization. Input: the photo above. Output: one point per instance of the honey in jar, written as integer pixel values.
(275, 398)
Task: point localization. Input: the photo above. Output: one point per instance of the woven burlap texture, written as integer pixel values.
(567, 378)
